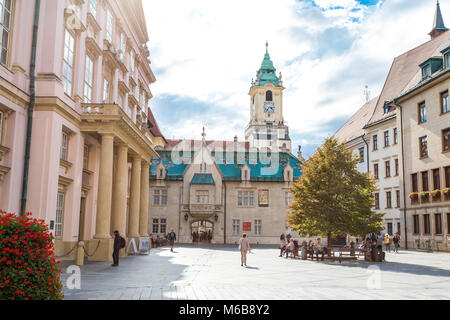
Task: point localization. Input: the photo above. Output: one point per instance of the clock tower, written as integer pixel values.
(266, 128)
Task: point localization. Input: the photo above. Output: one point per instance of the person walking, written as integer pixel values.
(244, 247)
(396, 242)
(387, 242)
(282, 244)
(171, 237)
(119, 243)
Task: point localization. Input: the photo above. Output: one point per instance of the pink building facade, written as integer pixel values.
(93, 135)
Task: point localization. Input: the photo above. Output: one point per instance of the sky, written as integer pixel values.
(205, 53)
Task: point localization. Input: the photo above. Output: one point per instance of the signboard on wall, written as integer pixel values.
(263, 197)
(247, 226)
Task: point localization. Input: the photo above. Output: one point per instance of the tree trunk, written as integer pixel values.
(328, 243)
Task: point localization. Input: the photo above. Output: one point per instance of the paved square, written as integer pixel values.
(211, 273)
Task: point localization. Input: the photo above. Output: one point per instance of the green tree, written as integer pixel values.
(332, 198)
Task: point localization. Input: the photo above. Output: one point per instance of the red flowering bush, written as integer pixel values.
(28, 269)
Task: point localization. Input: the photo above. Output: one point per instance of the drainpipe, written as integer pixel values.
(30, 109)
(403, 170)
(225, 214)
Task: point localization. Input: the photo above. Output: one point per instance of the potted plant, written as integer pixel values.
(414, 196)
(424, 196)
(436, 194)
(446, 192)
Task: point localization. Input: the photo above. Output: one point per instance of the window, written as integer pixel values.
(398, 228)
(425, 185)
(1, 126)
(69, 44)
(86, 157)
(155, 226)
(426, 71)
(64, 146)
(397, 197)
(93, 8)
(444, 99)
(361, 155)
(389, 228)
(388, 169)
(397, 168)
(375, 171)
(377, 201)
(414, 183)
(120, 102)
(447, 177)
(269, 96)
(386, 108)
(5, 29)
(446, 140)
(258, 227)
(236, 226)
(436, 179)
(59, 215)
(163, 226)
(288, 198)
(426, 224)
(109, 26)
(123, 44)
(202, 196)
(389, 200)
(375, 142)
(416, 221)
(447, 60)
(423, 144)
(386, 138)
(395, 136)
(422, 112)
(105, 91)
(132, 62)
(438, 223)
(159, 197)
(246, 198)
(88, 80)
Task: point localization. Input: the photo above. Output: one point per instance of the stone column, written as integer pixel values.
(103, 219)
(120, 189)
(143, 217)
(135, 197)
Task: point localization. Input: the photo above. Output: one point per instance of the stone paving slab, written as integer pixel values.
(214, 273)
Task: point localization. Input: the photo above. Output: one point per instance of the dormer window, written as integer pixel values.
(447, 60)
(426, 71)
(387, 109)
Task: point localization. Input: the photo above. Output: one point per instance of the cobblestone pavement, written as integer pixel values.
(215, 273)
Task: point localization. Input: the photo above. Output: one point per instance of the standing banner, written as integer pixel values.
(144, 245)
(132, 242)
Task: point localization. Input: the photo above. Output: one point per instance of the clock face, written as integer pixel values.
(269, 107)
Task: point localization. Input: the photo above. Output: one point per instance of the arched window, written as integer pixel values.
(269, 96)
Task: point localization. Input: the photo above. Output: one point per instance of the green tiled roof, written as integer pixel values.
(267, 72)
(203, 178)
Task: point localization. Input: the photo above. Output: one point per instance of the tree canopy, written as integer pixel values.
(332, 198)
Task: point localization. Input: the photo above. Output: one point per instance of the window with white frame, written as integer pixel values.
(287, 198)
(120, 102)
(159, 197)
(1, 126)
(64, 146)
(447, 60)
(69, 45)
(93, 8)
(202, 196)
(123, 43)
(105, 90)
(132, 62)
(59, 215)
(88, 80)
(109, 26)
(5, 29)
(163, 226)
(155, 226)
(236, 226)
(246, 198)
(258, 224)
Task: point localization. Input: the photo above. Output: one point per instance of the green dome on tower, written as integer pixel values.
(267, 72)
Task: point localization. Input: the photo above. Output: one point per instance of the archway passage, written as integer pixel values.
(202, 231)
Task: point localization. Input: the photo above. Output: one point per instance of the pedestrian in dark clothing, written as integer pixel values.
(118, 244)
(171, 237)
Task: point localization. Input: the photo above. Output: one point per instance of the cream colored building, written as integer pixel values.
(92, 135)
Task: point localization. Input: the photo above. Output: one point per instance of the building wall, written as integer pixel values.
(386, 184)
(437, 159)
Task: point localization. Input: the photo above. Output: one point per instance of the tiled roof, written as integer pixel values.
(405, 73)
(154, 128)
(202, 178)
(353, 128)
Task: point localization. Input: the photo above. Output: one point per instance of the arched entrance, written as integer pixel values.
(202, 231)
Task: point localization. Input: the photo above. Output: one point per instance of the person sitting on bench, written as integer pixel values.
(289, 248)
(320, 249)
(310, 249)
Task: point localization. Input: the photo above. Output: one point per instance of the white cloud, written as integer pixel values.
(210, 50)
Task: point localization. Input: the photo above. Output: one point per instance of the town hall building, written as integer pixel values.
(226, 188)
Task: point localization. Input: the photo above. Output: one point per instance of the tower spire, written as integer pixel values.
(438, 23)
